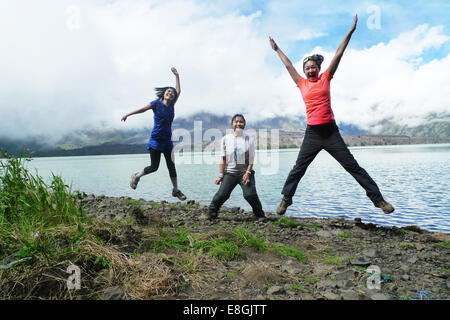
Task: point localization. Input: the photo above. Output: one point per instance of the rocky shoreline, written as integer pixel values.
(413, 263)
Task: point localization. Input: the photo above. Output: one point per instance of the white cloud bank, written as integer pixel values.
(58, 76)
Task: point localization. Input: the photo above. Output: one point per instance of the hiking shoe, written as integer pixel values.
(134, 181)
(179, 195)
(284, 204)
(385, 206)
(259, 215)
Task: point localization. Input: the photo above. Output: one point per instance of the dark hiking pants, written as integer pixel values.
(328, 137)
(229, 182)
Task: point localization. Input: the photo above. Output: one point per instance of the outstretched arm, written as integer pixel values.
(289, 66)
(141, 110)
(177, 85)
(340, 51)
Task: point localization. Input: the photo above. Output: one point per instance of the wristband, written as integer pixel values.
(220, 174)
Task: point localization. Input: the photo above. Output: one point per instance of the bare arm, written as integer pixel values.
(288, 64)
(251, 150)
(221, 168)
(340, 51)
(177, 85)
(141, 110)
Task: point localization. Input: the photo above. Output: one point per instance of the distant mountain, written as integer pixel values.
(114, 141)
(439, 129)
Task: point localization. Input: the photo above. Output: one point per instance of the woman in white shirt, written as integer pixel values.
(236, 167)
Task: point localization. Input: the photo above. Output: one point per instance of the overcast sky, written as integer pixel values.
(68, 64)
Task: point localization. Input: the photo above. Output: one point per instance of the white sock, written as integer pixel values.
(139, 174)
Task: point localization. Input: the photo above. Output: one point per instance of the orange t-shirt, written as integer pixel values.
(316, 95)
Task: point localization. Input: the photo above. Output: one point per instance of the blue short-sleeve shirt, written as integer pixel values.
(161, 136)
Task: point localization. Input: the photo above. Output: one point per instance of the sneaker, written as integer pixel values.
(259, 215)
(385, 206)
(284, 204)
(134, 181)
(179, 195)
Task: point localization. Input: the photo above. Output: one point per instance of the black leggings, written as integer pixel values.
(328, 137)
(155, 157)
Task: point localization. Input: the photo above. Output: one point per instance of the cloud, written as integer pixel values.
(66, 66)
(391, 81)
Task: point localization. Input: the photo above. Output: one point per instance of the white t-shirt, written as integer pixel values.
(235, 150)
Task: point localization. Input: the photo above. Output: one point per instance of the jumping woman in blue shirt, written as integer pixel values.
(160, 140)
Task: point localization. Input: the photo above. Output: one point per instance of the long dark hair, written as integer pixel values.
(160, 93)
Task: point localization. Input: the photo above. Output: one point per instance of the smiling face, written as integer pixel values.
(169, 95)
(311, 70)
(238, 124)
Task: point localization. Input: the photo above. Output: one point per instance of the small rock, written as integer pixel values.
(346, 275)
(419, 247)
(290, 292)
(362, 262)
(344, 284)
(324, 234)
(306, 296)
(331, 295)
(349, 295)
(323, 284)
(113, 293)
(379, 296)
(371, 253)
(412, 260)
(406, 277)
(404, 267)
(275, 290)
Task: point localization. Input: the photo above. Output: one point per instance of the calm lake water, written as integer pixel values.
(414, 178)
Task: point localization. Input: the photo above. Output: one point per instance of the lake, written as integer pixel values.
(414, 178)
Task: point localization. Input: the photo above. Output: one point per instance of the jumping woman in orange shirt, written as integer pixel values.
(322, 131)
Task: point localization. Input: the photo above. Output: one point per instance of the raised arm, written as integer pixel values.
(289, 66)
(141, 110)
(177, 85)
(340, 51)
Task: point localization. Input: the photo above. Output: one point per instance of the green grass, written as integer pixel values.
(406, 246)
(30, 207)
(133, 202)
(296, 287)
(288, 251)
(312, 279)
(285, 222)
(335, 260)
(344, 235)
(445, 245)
(227, 246)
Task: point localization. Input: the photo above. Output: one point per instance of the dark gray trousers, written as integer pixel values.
(229, 182)
(327, 137)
